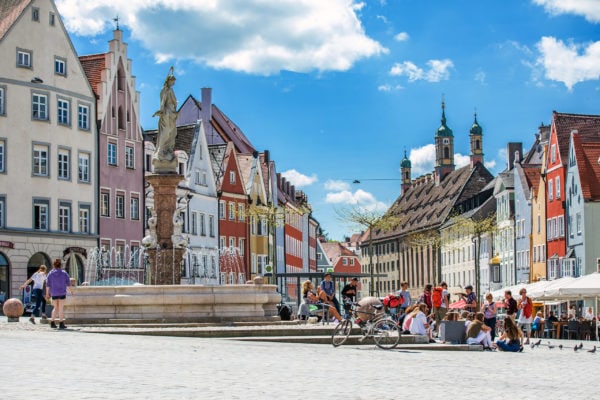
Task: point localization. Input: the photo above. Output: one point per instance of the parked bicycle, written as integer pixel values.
(381, 327)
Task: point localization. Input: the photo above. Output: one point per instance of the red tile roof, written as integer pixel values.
(10, 10)
(93, 65)
(588, 162)
(586, 126)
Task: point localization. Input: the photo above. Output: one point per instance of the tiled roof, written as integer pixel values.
(427, 206)
(93, 65)
(10, 10)
(586, 126)
(335, 250)
(588, 163)
(533, 176)
(183, 140)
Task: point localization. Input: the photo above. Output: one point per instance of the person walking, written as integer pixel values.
(406, 296)
(38, 279)
(57, 284)
(525, 304)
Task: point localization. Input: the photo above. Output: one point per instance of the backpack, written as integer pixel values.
(393, 301)
(437, 298)
(426, 298)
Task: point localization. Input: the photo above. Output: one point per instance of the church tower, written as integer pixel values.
(444, 149)
(405, 167)
(476, 135)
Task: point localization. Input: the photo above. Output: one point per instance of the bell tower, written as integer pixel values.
(444, 149)
(476, 138)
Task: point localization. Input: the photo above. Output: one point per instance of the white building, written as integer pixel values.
(48, 195)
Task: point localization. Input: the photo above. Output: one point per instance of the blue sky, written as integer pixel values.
(338, 90)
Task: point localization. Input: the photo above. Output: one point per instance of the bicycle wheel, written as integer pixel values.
(341, 333)
(386, 334)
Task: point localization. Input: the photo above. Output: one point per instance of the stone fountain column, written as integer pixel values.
(165, 258)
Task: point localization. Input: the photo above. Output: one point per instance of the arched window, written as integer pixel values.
(120, 79)
(477, 145)
(446, 152)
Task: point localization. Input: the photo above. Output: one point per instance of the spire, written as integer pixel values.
(444, 130)
(405, 167)
(476, 137)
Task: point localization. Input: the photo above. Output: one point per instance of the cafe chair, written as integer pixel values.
(585, 330)
(549, 329)
(572, 328)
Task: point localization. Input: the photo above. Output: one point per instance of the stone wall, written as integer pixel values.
(172, 303)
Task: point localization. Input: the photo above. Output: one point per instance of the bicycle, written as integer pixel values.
(382, 328)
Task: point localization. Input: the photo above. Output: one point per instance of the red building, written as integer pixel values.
(556, 172)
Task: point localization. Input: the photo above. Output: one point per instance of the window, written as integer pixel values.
(52, 19)
(120, 210)
(232, 245)
(242, 243)
(60, 66)
(553, 153)
(111, 154)
(344, 261)
(557, 184)
(64, 217)
(35, 14)
(105, 204)
(231, 211)
(197, 177)
(221, 242)
(2, 156)
(2, 100)
(84, 219)
(64, 164)
(134, 208)
(194, 223)
(83, 117)
(221, 209)
(241, 212)
(202, 225)
(40, 215)
(561, 226)
(262, 262)
(23, 58)
(550, 190)
(83, 167)
(134, 257)
(39, 106)
(2, 213)
(40, 160)
(211, 225)
(129, 159)
(578, 219)
(231, 177)
(63, 112)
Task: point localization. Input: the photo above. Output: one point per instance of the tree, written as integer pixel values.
(371, 221)
(477, 225)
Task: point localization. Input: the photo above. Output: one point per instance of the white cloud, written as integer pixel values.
(336, 185)
(422, 159)
(359, 198)
(439, 70)
(461, 160)
(389, 88)
(490, 164)
(299, 180)
(589, 9)
(480, 77)
(401, 37)
(564, 63)
(251, 36)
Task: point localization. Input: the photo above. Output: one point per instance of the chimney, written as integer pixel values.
(206, 113)
(511, 150)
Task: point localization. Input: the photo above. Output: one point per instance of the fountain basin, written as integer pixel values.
(172, 303)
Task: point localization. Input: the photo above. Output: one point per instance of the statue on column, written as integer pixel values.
(164, 157)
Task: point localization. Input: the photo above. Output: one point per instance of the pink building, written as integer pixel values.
(120, 154)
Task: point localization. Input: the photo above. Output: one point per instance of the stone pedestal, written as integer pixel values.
(165, 260)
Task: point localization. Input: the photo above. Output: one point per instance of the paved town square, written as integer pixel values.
(75, 364)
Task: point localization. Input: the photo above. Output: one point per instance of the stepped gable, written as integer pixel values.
(426, 205)
(93, 65)
(10, 10)
(588, 163)
(586, 126)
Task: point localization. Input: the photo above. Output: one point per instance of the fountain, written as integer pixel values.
(162, 298)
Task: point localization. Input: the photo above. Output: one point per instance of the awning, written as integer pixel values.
(458, 304)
